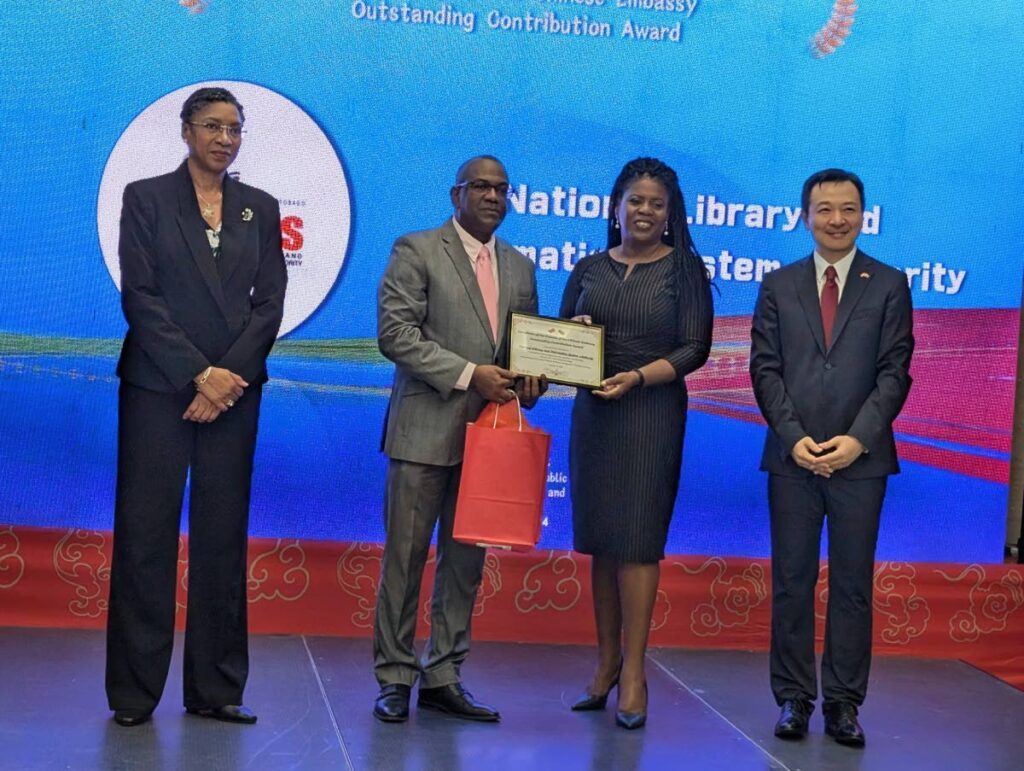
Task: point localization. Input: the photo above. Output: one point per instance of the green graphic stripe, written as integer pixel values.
(50, 346)
(358, 349)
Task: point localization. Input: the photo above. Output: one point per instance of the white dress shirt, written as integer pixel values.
(842, 270)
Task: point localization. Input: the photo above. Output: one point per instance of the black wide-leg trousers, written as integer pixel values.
(156, 451)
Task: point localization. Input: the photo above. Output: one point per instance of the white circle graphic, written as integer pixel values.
(284, 153)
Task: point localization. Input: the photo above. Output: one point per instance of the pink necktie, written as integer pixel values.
(485, 278)
(829, 303)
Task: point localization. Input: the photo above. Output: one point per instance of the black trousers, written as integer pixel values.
(799, 506)
(156, 450)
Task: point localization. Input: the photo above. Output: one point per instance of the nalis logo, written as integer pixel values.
(291, 233)
(284, 152)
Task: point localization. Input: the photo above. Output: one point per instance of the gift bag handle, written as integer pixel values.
(519, 412)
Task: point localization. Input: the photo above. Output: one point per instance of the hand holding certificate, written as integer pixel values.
(568, 352)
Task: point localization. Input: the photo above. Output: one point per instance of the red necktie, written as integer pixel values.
(489, 290)
(829, 303)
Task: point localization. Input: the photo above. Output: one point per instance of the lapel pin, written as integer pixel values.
(247, 216)
(862, 275)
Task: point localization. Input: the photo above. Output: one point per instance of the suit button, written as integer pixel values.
(828, 365)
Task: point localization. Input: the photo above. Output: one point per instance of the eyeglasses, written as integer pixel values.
(213, 129)
(481, 186)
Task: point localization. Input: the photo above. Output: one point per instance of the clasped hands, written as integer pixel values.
(497, 384)
(217, 393)
(829, 456)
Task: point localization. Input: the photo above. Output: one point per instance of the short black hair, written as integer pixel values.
(460, 174)
(204, 97)
(829, 175)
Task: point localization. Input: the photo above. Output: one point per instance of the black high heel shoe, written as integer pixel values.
(632, 720)
(590, 702)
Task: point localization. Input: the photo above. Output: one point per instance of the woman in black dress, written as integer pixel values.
(651, 292)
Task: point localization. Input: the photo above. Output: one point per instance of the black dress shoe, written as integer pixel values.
(632, 720)
(132, 717)
(793, 719)
(589, 702)
(841, 723)
(392, 704)
(230, 713)
(455, 700)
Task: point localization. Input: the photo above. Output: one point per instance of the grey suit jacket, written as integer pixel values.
(856, 386)
(431, 322)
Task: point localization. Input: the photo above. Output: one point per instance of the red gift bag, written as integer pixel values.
(504, 480)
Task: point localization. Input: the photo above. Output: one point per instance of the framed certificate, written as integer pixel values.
(568, 352)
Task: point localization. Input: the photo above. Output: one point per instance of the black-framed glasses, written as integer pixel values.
(213, 129)
(481, 186)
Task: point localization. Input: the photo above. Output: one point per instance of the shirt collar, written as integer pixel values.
(470, 244)
(842, 267)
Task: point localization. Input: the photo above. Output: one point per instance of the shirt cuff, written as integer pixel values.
(462, 384)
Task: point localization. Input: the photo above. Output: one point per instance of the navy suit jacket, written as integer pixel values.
(185, 310)
(855, 387)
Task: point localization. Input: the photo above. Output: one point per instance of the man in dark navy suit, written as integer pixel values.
(830, 363)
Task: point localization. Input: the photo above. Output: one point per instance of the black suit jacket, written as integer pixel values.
(856, 387)
(185, 310)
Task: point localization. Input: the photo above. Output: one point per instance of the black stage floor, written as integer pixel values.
(708, 710)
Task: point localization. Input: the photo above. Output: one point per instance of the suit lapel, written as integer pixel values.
(236, 235)
(857, 281)
(457, 254)
(193, 230)
(807, 291)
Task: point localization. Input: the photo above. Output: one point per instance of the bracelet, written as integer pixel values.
(643, 380)
(204, 377)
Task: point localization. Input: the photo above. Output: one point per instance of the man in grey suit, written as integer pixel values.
(443, 305)
(830, 358)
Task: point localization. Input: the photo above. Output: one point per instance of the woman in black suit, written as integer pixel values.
(651, 292)
(202, 288)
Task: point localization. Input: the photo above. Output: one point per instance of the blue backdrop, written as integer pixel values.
(923, 101)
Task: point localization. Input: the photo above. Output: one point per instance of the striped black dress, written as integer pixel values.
(625, 455)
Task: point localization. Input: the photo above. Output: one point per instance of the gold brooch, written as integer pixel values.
(862, 275)
(246, 214)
